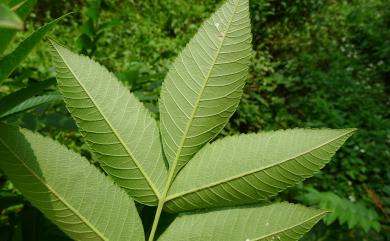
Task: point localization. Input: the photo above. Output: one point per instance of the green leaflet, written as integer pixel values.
(9, 19)
(280, 221)
(22, 8)
(250, 168)
(10, 61)
(116, 126)
(204, 85)
(31, 103)
(10, 101)
(67, 189)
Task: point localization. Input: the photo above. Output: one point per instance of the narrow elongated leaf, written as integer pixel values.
(117, 127)
(279, 221)
(204, 85)
(33, 102)
(250, 168)
(10, 61)
(78, 198)
(10, 101)
(9, 19)
(22, 8)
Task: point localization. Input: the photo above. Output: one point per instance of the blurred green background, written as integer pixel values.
(316, 64)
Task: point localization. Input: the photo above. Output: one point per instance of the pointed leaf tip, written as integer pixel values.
(10, 61)
(278, 221)
(204, 85)
(118, 129)
(250, 168)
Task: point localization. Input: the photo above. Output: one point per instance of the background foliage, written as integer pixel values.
(316, 63)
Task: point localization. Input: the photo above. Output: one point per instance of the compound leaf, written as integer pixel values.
(279, 221)
(204, 85)
(117, 127)
(71, 192)
(342, 209)
(250, 168)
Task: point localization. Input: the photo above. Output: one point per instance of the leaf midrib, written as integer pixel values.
(178, 195)
(139, 166)
(65, 203)
(172, 168)
(290, 227)
(207, 78)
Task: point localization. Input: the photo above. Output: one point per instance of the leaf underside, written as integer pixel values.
(251, 168)
(78, 198)
(117, 127)
(279, 221)
(204, 85)
(199, 95)
(12, 100)
(33, 102)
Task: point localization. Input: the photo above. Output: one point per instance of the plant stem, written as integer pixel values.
(156, 219)
(161, 203)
